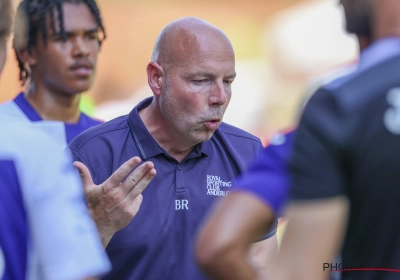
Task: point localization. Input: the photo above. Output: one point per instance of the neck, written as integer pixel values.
(386, 19)
(169, 139)
(54, 106)
(363, 43)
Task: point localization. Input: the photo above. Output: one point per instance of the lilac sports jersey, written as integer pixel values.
(268, 177)
(20, 109)
(46, 231)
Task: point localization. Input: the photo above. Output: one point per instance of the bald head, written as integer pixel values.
(180, 39)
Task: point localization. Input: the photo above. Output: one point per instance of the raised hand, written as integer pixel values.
(114, 203)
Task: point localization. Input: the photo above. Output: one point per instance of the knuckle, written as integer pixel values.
(121, 173)
(108, 187)
(117, 198)
(140, 187)
(132, 180)
(123, 205)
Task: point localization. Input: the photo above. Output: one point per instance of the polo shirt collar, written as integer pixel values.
(27, 108)
(146, 144)
(34, 116)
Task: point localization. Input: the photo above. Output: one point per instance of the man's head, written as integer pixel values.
(359, 16)
(192, 68)
(57, 43)
(5, 26)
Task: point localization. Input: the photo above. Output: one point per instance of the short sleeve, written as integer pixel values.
(315, 165)
(267, 177)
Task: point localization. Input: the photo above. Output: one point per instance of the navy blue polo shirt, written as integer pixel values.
(158, 243)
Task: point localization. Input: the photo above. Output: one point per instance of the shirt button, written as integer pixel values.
(179, 167)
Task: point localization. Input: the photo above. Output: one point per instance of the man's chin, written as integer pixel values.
(207, 136)
(78, 88)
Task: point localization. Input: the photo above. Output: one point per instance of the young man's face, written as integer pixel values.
(67, 66)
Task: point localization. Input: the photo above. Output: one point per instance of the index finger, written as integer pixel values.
(120, 174)
(142, 184)
(136, 176)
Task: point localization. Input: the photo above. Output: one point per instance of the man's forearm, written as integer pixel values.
(263, 256)
(222, 247)
(231, 266)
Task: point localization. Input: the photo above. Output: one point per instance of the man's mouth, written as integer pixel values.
(82, 69)
(213, 124)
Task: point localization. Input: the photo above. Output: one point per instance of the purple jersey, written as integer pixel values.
(268, 177)
(20, 109)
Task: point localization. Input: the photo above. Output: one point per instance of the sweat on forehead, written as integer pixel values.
(179, 39)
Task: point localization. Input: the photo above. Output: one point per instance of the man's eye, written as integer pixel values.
(201, 81)
(56, 38)
(92, 36)
(228, 82)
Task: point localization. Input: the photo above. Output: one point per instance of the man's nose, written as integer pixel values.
(219, 94)
(80, 47)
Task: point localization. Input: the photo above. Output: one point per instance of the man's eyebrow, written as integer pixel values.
(199, 74)
(232, 76)
(206, 75)
(72, 32)
(92, 30)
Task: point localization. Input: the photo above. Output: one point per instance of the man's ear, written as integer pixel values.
(155, 77)
(26, 57)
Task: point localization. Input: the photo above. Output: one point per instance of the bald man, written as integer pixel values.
(196, 155)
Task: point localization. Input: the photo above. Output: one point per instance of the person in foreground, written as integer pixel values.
(345, 167)
(57, 43)
(46, 230)
(196, 155)
(259, 195)
(37, 183)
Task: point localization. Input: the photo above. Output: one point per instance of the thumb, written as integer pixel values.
(86, 177)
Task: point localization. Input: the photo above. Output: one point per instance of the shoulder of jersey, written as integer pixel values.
(235, 131)
(281, 138)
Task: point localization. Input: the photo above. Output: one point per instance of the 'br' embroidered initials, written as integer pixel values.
(181, 204)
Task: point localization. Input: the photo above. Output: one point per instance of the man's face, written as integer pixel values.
(198, 89)
(68, 66)
(358, 17)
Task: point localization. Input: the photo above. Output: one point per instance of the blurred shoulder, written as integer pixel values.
(233, 132)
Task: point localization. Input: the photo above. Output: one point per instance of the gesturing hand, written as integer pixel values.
(114, 203)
